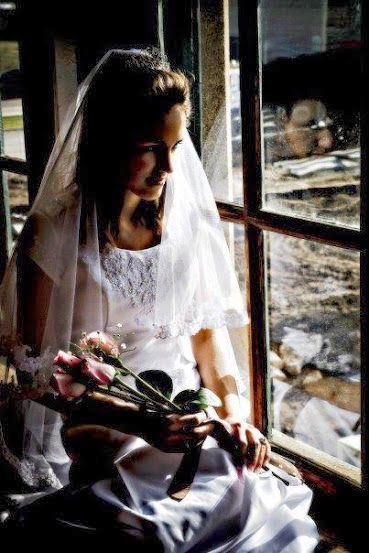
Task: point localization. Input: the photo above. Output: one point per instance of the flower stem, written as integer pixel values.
(162, 397)
(140, 394)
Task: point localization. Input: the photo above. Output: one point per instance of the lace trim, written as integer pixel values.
(133, 275)
(24, 362)
(211, 321)
(39, 479)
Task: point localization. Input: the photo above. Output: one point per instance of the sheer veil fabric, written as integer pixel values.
(192, 246)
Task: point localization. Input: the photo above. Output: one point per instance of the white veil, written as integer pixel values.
(192, 247)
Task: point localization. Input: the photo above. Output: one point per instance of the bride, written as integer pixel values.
(124, 236)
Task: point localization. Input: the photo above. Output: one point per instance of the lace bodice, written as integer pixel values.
(132, 274)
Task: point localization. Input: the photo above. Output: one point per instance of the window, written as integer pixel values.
(13, 180)
(26, 116)
(296, 186)
(284, 157)
(309, 63)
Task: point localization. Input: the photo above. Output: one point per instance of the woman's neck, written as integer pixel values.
(132, 235)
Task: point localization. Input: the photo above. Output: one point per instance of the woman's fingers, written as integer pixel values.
(188, 423)
(186, 430)
(258, 450)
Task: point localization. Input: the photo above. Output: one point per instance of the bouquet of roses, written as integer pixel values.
(95, 365)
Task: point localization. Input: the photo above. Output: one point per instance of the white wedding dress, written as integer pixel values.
(224, 511)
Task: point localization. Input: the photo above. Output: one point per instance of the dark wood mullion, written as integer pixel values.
(310, 230)
(364, 266)
(250, 115)
(260, 377)
(231, 212)
(250, 106)
(13, 165)
(36, 59)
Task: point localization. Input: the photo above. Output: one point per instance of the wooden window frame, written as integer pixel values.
(335, 485)
(36, 62)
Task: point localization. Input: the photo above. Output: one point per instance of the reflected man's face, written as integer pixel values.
(307, 129)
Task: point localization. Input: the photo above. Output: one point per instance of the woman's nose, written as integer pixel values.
(165, 161)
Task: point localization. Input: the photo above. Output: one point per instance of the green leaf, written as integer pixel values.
(195, 400)
(185, 398)
(207, 398)
(159, 380)
(75, 349)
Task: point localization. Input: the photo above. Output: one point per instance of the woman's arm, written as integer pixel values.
(34, 289)
(212, 361)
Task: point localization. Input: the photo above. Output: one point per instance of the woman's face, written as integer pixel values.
(152, 158)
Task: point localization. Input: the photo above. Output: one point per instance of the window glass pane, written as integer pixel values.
(11, 101)
(310, 81)
(235, 101)
(314, 337)
(18, 200)
(237, 183)
(235, 236)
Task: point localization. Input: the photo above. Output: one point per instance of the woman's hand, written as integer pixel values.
(177, 433)
(255, 447)
(100, 421)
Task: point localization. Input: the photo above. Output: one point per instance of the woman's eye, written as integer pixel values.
(176, 146)
(146, 149)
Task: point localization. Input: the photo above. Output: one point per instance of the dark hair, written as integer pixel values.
(128, 96)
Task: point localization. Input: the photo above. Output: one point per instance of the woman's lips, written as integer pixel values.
(153, 182)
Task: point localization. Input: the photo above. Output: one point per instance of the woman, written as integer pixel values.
(126, 238)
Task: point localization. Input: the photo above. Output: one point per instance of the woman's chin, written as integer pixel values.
(152, 193)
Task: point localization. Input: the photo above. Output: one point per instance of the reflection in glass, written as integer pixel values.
(11, 101)
(310, 75)
(235, 236)
(314, 333)
(234, 79)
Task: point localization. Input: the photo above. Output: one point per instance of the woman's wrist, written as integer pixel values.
(104, 411)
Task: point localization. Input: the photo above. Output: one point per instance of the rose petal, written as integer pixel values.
(67, 359)
(101, 372)
(101, 340)
(65, 385)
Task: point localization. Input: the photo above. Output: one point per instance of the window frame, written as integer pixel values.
(322, 475)
(36, 64)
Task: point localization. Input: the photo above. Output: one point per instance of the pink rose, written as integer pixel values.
(67, 359)
(101, 372)
(65, 385)
(101, 340)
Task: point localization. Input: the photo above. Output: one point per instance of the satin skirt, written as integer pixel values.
(226, 510)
